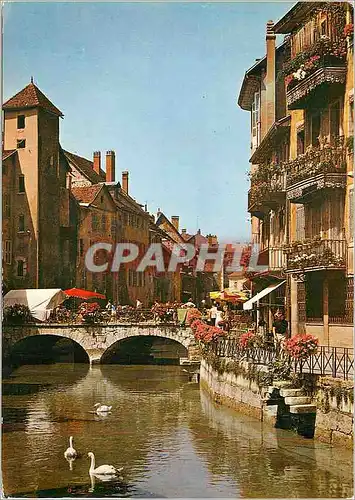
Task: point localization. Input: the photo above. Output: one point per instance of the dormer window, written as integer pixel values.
(20, 121)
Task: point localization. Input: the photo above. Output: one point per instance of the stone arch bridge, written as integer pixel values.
(96, 339)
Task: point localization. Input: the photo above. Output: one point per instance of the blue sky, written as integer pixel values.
(156, 82)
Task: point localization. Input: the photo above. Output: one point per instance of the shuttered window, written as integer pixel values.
(94, 222)
(7, 246)
(6, 205)
(300, 223)
(255, 119)
(21, 268)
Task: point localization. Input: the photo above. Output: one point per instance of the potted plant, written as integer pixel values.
(90, 313)
(247, 340)
(18, 314)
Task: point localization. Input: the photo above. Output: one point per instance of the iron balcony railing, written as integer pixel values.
(316, 253)
(325, 159)
(337, 362)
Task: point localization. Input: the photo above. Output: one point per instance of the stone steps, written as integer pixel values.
(297, 400)
(305, 408)
(291, 392)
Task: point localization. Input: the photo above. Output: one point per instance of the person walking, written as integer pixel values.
(219, 317)
(213, 314)
(113, 312)
(279, 328)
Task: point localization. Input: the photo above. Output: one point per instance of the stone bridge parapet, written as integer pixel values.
(96, 339)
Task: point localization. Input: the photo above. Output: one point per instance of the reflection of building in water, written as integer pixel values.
(246, 447)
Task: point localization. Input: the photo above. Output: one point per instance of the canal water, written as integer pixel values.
(169, 436)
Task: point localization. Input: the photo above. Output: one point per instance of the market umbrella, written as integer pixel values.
(83, 294)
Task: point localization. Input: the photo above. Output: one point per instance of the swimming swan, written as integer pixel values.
(102, 408)
(70, 452)
(102, 470)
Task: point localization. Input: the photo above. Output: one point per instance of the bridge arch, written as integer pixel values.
(143, 349)
(96, 339)
(45, 348)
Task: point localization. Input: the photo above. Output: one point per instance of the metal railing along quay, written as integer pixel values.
(337, 362)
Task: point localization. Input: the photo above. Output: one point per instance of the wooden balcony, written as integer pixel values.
(316, 254)
(273, 258)
(277, 259)
(319, 168)
(267, 195)
(327, 79)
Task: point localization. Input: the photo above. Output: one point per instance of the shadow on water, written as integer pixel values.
(22, 389)
(28, 379)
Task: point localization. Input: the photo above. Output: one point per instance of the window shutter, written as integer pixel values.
(300, 223)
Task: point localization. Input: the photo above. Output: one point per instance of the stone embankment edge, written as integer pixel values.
(333, 426)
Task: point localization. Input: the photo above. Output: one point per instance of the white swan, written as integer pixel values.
(102, 408)
(102, 470)
(70, 452)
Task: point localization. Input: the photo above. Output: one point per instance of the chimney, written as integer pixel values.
(270, 76)
(212, 240)
(199, 231)
(110, 166)
(175, 221)
(125, 181)
(97, 161)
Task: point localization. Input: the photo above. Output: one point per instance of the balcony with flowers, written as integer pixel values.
(315, 254)
(268, 188)
(320, 167)
(319, 66)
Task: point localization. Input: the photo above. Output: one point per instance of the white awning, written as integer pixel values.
(247, 306)
(39, 301)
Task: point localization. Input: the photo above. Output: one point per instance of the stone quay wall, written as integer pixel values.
(332, 398)
(335, 411)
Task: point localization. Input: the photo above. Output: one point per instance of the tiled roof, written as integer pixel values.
(85, 167)
(186, 236)
(131, 204)
(162, 218)
(200, 239)
(31, 97)
(86, 194)
(9, 152)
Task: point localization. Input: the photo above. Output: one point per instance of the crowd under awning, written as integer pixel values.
(248, 306)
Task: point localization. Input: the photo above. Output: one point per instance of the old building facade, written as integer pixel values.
(40, 240)
(301, 196)
(56, 204)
